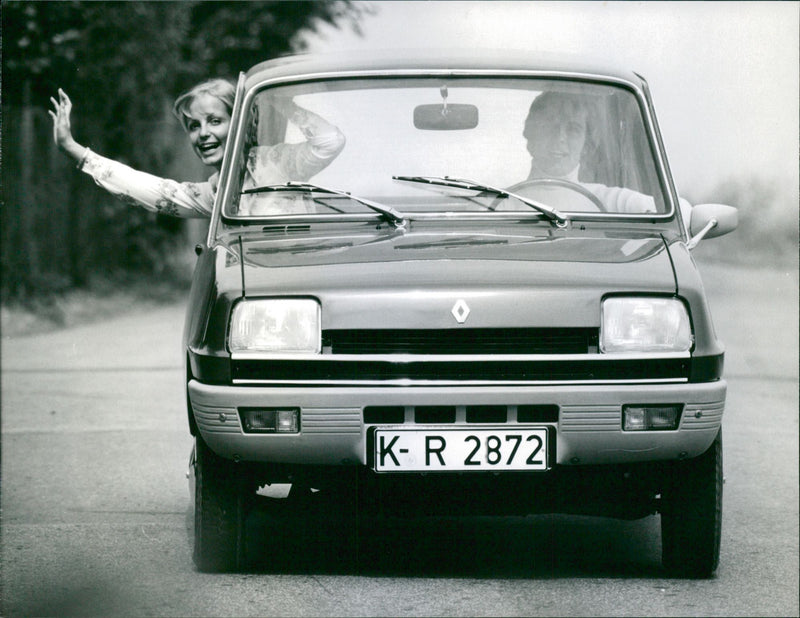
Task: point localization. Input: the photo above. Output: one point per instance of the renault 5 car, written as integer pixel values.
(481, 300)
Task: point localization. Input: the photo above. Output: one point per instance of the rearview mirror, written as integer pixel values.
(445, 117)
(711, 220)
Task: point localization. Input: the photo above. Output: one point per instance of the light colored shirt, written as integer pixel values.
(178, 199)
(615, 199)
(265, 165)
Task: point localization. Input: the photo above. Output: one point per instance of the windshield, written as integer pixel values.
(452, 145)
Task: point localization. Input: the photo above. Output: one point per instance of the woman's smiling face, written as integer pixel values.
(208, 122)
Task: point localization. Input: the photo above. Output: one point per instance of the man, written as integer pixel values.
(556, 130)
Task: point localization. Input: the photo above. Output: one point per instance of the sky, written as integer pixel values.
(723, 75)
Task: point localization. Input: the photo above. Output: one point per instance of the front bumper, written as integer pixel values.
(333, 431)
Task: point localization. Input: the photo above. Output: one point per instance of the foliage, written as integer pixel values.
(122, 63)
(225, 37)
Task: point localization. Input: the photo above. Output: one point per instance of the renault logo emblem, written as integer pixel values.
(460, 311)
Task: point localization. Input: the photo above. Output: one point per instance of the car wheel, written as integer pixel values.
(691, 516)
(219, 511)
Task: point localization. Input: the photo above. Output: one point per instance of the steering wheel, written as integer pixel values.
(556, 182)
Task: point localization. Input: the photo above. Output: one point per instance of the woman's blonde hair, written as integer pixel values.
(220, 88)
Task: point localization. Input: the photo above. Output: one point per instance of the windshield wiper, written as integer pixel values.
(390, 213)
(559, 218)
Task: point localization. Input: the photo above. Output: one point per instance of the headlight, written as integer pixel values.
(279, 325)
(645, 324)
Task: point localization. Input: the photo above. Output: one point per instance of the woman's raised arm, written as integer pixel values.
(62, 130)
(179, 199)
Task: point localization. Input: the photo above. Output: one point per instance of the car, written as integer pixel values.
(470, 292)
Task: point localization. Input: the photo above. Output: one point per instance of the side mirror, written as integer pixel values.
(711, 220)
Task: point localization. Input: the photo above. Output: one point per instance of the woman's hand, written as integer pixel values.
(62, 132)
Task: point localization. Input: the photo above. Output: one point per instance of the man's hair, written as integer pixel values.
(222, 89)
(560, 100)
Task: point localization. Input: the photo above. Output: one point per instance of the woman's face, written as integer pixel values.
(208, 123)
(556, 139)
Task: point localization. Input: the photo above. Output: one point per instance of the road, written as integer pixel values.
(95, 499)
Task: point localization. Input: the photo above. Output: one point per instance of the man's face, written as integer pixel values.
(556, 135)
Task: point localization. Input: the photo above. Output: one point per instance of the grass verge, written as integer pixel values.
(102, 299)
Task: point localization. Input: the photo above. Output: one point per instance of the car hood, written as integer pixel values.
(382, 278)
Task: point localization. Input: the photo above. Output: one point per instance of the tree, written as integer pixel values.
(226, 37)
(122, 64)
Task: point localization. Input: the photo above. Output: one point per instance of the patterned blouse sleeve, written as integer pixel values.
(178, 199)
(323, 144)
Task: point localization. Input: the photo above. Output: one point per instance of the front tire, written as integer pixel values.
(219, 511)
(691, 516)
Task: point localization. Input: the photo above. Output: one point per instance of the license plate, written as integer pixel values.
(445, 450)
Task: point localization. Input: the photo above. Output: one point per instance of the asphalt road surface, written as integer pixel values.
(95, 499)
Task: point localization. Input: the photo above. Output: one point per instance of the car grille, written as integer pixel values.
(442, 415)
(458, 356)
(332, 369)
(462, 341)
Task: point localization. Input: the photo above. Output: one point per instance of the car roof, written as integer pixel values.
(474, 60)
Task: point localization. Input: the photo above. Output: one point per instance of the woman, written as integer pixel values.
(205, 113)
